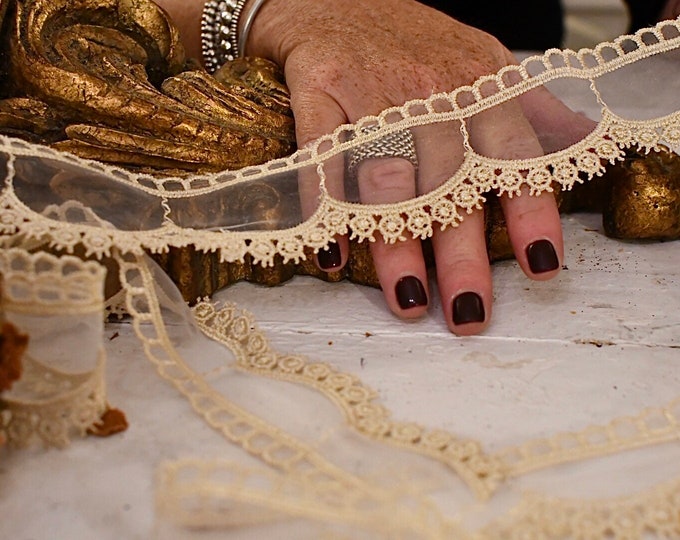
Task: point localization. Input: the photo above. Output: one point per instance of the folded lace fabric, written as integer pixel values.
(58, 303)
(222, 364)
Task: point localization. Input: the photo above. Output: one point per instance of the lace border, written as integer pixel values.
(417, 218)
(40, 283)
(257, 492)
(444, 207)
(70, 405)
(482, 472)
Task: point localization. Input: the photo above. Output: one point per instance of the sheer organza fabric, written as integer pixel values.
(411, 481)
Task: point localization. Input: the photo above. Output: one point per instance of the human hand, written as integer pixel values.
(347, 60)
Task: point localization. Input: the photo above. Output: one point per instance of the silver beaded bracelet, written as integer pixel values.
(220, 39)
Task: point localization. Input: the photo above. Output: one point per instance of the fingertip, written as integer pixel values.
(402, 274)
(543, 261)
(334, 256)
(411, 297)
(469, 314)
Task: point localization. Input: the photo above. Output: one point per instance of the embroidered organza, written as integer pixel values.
(282, 214)
(410, 480)
(59, 302)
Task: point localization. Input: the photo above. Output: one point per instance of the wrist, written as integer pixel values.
(277, 25)
(263, 40)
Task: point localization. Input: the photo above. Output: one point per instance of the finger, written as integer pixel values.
(317, 114)
(464, 275)
(399, 265)
(333, 256)
(463, 272)
(533, 221)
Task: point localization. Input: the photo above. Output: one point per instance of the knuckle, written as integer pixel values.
(386, 180)
(426, 80)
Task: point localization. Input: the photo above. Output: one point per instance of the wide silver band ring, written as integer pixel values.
(399, 144)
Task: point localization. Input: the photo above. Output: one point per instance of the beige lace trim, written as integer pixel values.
(47, 404)
(446, 206)
(443, 207)
(256, 493)
(43, 284)
(481, 471)
(652, 513)
(61, 406)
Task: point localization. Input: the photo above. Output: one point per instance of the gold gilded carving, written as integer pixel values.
(115, 74)
(108, 80)
(643, 198)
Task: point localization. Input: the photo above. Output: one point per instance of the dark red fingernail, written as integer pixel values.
(542, 257)
(468, 308)
(330, 258)
(410, 292)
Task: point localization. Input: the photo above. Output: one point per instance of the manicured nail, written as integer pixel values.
(542, 257)
(410, 292)
(330, 257)
(468, 308)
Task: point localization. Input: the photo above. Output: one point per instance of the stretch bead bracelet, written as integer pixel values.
(220, 38)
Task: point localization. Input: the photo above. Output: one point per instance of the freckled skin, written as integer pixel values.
(397, 57)
(344, 60)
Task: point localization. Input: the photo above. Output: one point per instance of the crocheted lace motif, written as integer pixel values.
(300, 481)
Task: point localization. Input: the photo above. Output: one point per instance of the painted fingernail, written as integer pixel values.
(410, 292)
(330, 258)
(542, 257)
(468, 308)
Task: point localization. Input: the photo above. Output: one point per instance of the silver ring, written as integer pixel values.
(400, 144)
